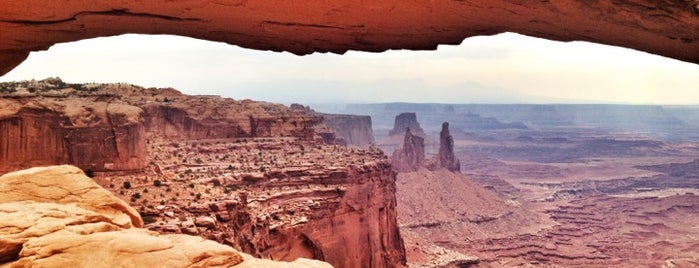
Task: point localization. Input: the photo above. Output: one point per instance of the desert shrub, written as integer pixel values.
(127, 185)
(148, 219)
(157, 183)
(90, 173)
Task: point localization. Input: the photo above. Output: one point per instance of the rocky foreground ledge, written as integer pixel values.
(58, 217)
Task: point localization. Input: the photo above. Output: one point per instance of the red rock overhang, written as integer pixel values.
(665, 27)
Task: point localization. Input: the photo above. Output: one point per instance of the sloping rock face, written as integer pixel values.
(445, 158)
(66, 220)
(406, 121)
(668, 28)
(411, 156)
(102, 127)
(354, 129)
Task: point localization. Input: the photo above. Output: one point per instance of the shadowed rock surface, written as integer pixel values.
(668, 28)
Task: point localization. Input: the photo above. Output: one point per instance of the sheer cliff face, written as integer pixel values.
(353, 129)
(91, 134)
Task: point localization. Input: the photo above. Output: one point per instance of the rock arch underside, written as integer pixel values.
(665, 27)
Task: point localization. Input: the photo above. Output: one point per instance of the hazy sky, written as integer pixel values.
(506, 68)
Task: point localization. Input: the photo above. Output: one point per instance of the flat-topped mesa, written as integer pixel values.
(411, 156)
(355, 130)
(445, 158)
(104, 127)
(404, 121)
(342, 129)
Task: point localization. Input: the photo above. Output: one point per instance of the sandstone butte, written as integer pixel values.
(58, 217)
(667, 28)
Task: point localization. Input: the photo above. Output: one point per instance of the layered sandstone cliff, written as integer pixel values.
(282, 199)
(252, 175)
(668, 28)
(88, 132)
(58, 217)
(104, 126)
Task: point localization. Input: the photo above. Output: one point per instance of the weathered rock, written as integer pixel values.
(91, 134)
(445, 158)
(406, 121)
(668, 28)
(67, 185)
(50, 122)
(62, 227)
(411, 156)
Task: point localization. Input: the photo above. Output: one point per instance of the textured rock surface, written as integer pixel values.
(332, 203)
(90, 133)
(669, 28)
(405, 121)
(66, 185)
(249, 174)
(77, 231)
(445, 158)
(411, 156)
(104, 126)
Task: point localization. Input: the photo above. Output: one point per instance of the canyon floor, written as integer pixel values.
(570, 200)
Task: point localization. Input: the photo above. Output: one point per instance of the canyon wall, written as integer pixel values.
(92, 135)
(252, 175)
(58, 217)
(104, 127)
(331, 203)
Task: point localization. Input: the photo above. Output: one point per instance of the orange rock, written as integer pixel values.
(69, 221)
(668, 28)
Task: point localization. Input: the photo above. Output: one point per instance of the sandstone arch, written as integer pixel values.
(668, 27)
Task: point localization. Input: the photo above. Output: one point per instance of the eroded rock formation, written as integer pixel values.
(411, 156)
(58, 217)
(405, 121)
(445, 158)
(280, 200)
(248, 174)
(668, 28)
